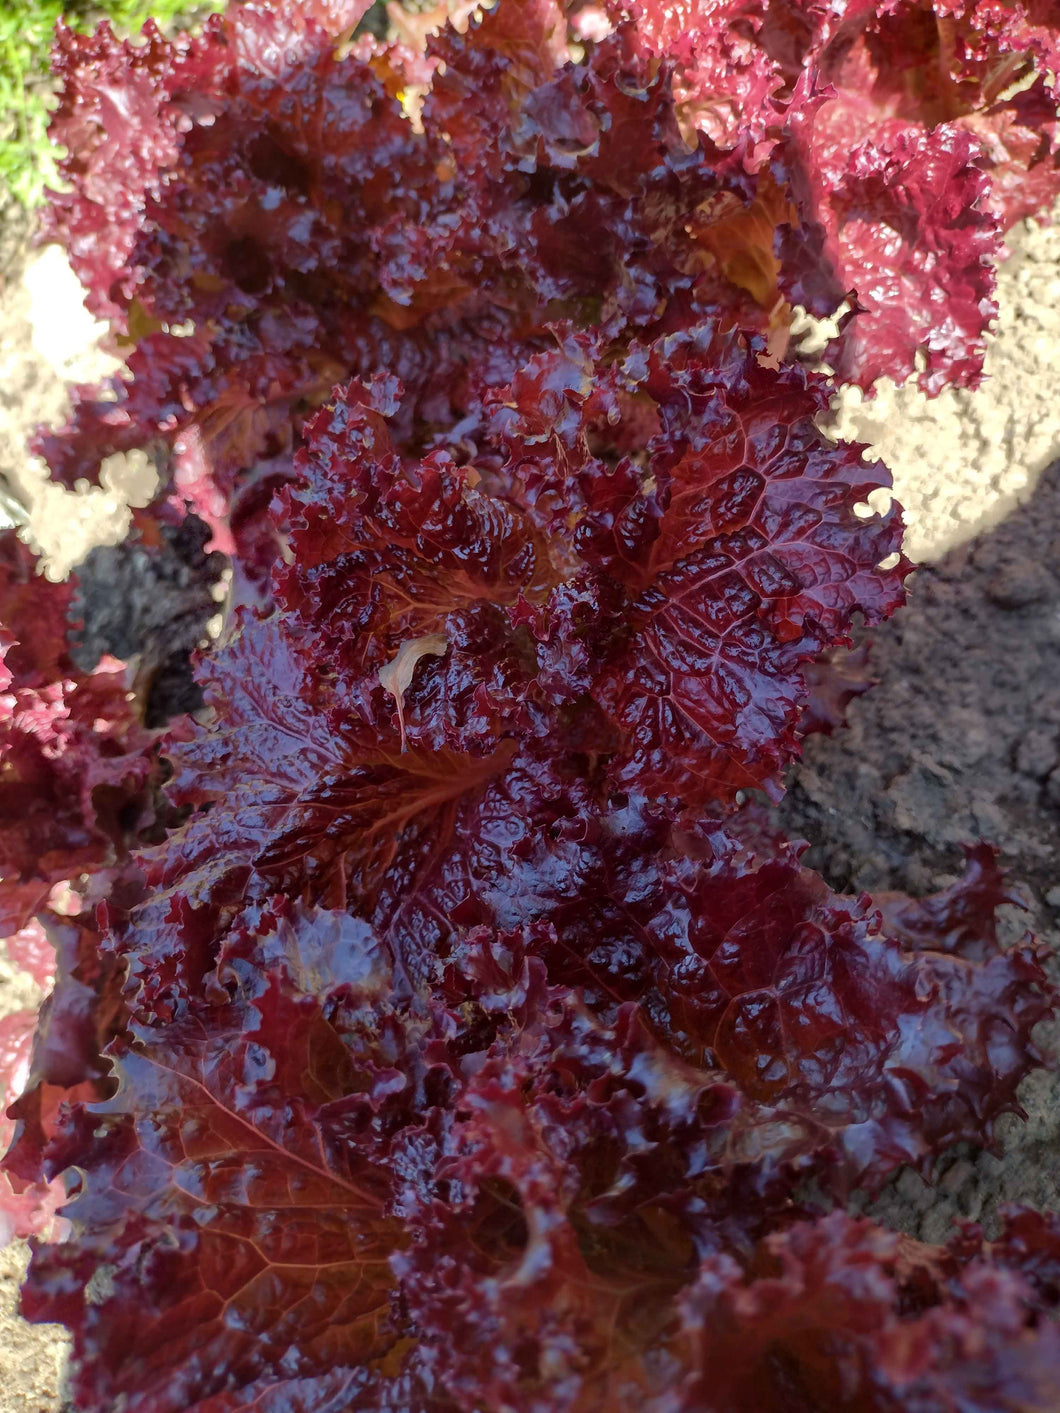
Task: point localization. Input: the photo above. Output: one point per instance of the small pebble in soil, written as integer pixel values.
(1019, 584)
(913, 1190)
(1037, 753)
(956, 1177)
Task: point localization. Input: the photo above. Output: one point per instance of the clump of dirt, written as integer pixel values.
(34, 1356)
(16, 230)
(959, 741)
(960, 738)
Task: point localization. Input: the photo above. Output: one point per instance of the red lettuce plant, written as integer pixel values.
(459, 1037)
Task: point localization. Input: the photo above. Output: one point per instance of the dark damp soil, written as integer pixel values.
(152, 603)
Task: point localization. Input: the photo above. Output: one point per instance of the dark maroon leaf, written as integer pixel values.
(464, 1040)
(276, 1250)
(833, 681)
(77, 766)
(823, 1317)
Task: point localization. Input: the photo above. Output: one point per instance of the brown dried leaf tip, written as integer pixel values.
(397, 675)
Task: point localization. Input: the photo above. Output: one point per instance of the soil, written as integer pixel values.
(47, 342)
(154, 605)
(959, 741)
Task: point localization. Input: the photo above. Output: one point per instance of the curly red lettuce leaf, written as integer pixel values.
(59, 1064)
(848, 1046)
(910, 210)
(447, 1057)
(75, 788)
(379, 743)
(833, 680)
(757, 563)
(679, 590)
(660, 170)
(79, 788)
(842, 1314)
(26, 1209)
(489, 1191)
(267, 259)
(908, 136)
(278, 1247)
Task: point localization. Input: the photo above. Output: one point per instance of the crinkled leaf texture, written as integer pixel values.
(473, 1043)
(74, 761)
(910, 135)
(437, 1050)
(79, 786)
(551, 164)
(25, 1210)
(840, 1314)
(506, 1190)
(637, 627)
